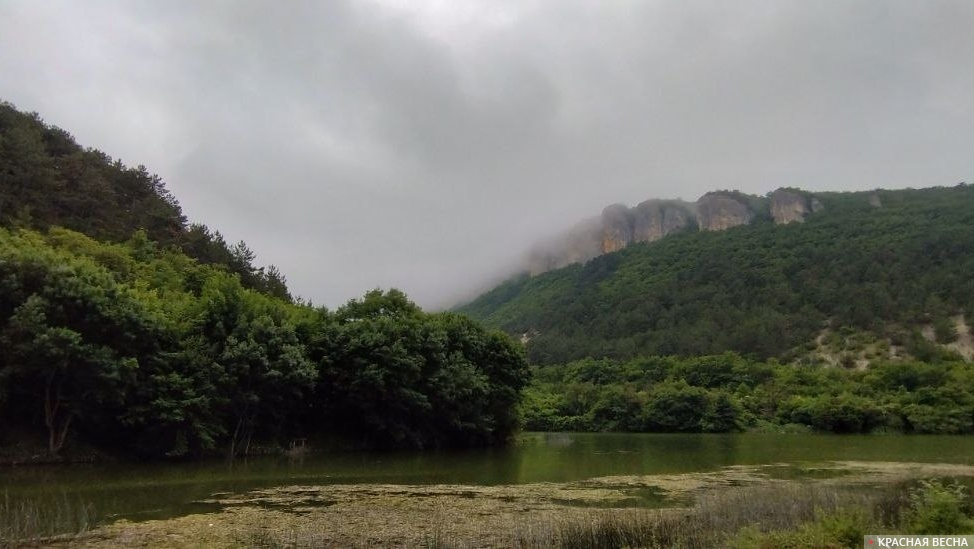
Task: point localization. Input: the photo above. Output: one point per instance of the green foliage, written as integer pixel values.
(939, 508)
(142, 328)
(933, 507)
(760, 290)
(728, 392)
(130, 342)
(47, 180)
(676, 407)
(407, 378)
(833, 530)
(944, 330)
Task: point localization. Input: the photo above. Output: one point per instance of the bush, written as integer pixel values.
(843, 528)
(675, 407)
(944, 330)
(938, 508)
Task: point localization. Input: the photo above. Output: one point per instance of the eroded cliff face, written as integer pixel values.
(620, 226)
(647, 222)
(719, 212)
(788, 206)
(654, 219)
(617, 223)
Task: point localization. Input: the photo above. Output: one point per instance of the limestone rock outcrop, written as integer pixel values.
(788, 206)
(718, 212)
(654, 219)
(620, 226)
(617, 221)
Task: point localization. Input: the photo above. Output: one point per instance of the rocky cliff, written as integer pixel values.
(788, 206)
(654, 219)
(620, 226)
(647, 222)
(617, 221)
(719, 212)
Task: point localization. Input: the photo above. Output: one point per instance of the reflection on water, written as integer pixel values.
(142, 491)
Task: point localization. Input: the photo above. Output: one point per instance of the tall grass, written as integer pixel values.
(781, 515)
(31, 520)
(775, 515)
(710, 523)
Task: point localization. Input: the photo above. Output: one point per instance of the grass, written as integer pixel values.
(31, 521)
(789, 514)
(712, 522)
(777, 515)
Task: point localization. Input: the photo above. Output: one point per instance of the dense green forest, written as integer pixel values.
(884, 263)
(49, 180)
(727, 392)
(123, 327)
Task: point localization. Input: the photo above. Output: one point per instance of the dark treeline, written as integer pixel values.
(142, 349)
(761, 290)
(47, 179)
(726, 392)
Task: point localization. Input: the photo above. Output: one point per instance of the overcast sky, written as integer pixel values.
(426, 144)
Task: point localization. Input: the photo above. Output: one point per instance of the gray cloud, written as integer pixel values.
(427, 145)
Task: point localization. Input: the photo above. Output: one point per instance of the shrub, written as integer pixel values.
(938, 508)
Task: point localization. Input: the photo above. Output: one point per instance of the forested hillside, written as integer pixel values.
(47, 179)
(885, 263)
(130, 331)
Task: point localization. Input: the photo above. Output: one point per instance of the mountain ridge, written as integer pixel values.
(620, 226)
(885, 262)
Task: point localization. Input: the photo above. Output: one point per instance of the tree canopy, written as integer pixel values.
(142, 348)
(728, 392)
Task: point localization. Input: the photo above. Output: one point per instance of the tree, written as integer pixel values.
(71, 375)
(722, 414)
(675, 407)
(263, 368)
(400, 377)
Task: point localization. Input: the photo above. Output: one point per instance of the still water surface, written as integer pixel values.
(143, 491)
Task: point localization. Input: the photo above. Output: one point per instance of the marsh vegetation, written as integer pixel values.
(735, 507)
(548, 490)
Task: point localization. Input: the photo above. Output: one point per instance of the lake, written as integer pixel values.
(162, 490)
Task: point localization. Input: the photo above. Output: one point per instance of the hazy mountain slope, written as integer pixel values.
(883, 261)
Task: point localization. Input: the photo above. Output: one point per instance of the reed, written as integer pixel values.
(782, 514)
(32, 520)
